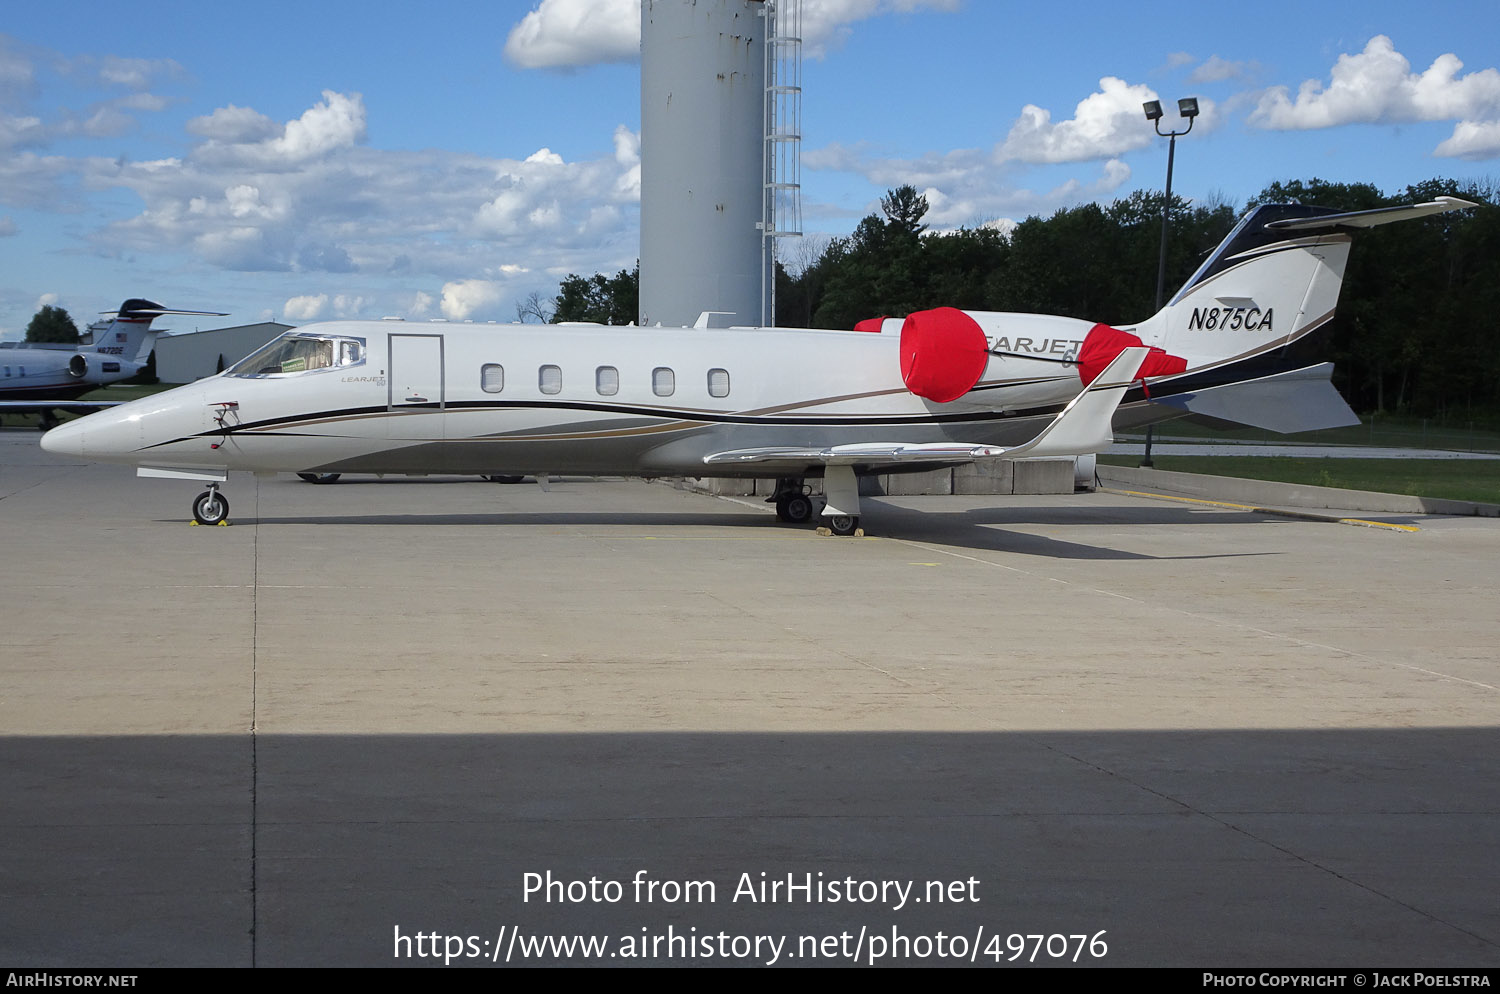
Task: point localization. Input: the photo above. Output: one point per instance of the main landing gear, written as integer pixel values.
(793, 505)
(319, 477)
(840, 514)
(211, 507)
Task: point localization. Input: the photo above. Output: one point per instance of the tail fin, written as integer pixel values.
(129, 335)
(1273, 280)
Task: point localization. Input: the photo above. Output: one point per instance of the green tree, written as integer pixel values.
(52, 324)
(599, 298)
(904, 209)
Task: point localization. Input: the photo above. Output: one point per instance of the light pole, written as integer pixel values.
(1187, 107)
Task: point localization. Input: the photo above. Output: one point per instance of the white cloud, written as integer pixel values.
(305, 308)
(234, 124)
(562, 33)
(46, 300)
(628, 154)
(131, 73)
(570, 33)
(1104, 124)
(945, 170)
(337, 122)
(1378, 86)
(464, 299)
(1215, 70)
(244, 248)
(627, 146)
(1472, 140)
(239, 136)
(314, 307)
(21, 131)
(420, 306)
(7, 226)
(308, 198)
(964, 187)
(16, 71)
(346, 305)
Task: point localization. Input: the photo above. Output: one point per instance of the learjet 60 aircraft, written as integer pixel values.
(940, 388)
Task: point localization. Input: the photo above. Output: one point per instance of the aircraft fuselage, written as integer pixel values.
(483, 399)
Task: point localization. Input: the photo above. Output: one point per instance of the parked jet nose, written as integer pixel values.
(65, 440)
(107, 435)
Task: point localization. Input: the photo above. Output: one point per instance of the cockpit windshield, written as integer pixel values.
(296, 353)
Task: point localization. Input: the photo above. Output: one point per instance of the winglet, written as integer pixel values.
(1084, 425)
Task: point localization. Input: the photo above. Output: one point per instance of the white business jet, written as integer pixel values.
(940, 388)
(46, 379)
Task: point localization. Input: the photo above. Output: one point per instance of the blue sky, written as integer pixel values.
(306, 161)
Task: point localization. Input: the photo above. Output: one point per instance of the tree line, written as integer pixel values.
(1411, 334)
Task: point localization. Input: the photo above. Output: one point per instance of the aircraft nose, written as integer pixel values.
(65, 440)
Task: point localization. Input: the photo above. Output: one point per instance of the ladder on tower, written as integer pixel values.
(781, 203)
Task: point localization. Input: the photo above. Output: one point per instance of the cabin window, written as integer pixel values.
(663, 381)
(718, 383)
(7, 372)
(294, 353)
(549, 379)
(492, 377)
(607, 381)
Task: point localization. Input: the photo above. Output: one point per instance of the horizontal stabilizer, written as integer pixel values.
(1369, 219)
(1298, 400)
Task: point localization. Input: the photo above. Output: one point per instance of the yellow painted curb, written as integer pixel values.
(1268, 510)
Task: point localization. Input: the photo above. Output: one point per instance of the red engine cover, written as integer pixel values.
(943, 353)
(1103, 343)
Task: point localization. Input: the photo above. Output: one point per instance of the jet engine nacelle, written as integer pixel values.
(945, 351)
(103, 369)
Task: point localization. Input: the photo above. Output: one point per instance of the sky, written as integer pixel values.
(301, 162)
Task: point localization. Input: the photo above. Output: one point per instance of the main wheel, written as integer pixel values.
(319, 477)
(796, 509)
(843, 524)
(503, 478)
(210, 508)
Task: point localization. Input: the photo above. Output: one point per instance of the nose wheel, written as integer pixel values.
(211, 507)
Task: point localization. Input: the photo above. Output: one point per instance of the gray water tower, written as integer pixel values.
(704, 181)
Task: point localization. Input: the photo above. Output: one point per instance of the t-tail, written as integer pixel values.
(127, 335)
(1218, 349)
(1274, 280)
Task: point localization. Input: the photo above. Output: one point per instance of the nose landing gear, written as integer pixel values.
(211, 507)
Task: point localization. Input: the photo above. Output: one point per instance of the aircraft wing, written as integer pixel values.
(1080, 428)
(24, 406)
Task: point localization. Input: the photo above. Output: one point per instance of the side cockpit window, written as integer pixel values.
(295, 353)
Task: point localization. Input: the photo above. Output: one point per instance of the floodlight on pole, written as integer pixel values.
(1187, 108)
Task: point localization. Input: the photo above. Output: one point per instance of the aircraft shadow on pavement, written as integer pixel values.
(973, 529)
(1185, 848)
(984, 529)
